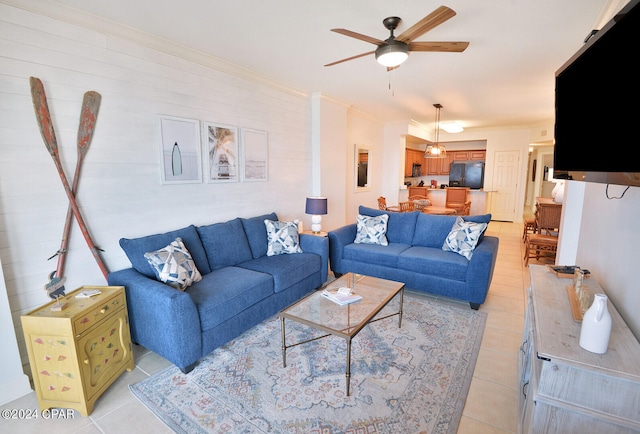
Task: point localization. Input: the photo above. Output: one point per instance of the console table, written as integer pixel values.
(564, 388)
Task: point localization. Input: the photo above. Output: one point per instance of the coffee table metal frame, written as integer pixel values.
(373, 290)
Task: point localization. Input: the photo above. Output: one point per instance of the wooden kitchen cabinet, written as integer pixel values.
(564, 388)
(77, 353)
(413, 156)
(438, 166)
(477, 155)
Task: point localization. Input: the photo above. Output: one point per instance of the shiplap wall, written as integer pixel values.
(120, 192)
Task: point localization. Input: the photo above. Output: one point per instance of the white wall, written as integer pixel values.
(363, 130)
(120, 192)
(608, 242)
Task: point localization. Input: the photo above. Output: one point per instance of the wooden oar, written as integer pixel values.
(88, 117)
(43, 117)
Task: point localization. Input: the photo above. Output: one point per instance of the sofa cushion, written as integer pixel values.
(401, 225)
(371, 230)
(463, 237)
(226, 292)
(375, 254)
(431, 230)
(173, 265)
(256, 233)
(282, 237)
(446, 265)
(286, 270)
(225, 243)
(135, 248)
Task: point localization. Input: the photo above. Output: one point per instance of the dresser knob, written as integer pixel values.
(85, 361)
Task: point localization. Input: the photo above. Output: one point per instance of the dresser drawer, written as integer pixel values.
(103, 310)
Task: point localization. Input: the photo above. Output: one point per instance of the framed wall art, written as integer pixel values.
(180, 150)
(222, 153)
(255, 156)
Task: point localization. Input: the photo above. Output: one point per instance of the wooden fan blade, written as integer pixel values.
(350, 58)
(432, 20)
(391, 68)
(450, 47)
(359, 36)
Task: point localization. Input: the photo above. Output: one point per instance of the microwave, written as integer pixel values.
(416, 169)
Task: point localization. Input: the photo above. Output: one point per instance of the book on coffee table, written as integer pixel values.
(341, 297)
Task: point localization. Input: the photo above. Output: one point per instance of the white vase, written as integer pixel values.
(596, 326)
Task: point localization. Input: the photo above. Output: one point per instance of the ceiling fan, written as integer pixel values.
(394, 50)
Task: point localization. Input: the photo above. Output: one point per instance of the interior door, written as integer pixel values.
(505, 185)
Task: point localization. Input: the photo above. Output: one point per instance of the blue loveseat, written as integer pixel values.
(414, 255)
(240, 286)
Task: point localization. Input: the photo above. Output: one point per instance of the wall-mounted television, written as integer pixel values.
(597, 105)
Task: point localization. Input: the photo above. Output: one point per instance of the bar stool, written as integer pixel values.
(529, 227)
(540, 246)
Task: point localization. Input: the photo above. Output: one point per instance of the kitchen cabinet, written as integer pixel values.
(78, 352)
(438, 166)
(413, 156)
(477, 155)
(564, 388)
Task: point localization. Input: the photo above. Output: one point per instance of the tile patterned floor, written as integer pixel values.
(491, 405)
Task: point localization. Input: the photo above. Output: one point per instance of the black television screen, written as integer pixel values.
(597, 100)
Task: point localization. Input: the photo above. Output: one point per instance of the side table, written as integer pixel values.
(317, 234)
(78, 352)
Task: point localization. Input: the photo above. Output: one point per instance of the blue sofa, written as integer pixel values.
(240, 286)
(415, 256)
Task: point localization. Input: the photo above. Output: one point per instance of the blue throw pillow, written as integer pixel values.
(464, 237)
(282, 237)
(371, 230)
(135, 248)
(174, 266)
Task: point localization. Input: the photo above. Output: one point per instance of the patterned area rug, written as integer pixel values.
(412, 379)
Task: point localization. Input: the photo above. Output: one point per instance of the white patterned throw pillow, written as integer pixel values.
(174, 266)
(282, 237)
(372, 230)
(464, 237)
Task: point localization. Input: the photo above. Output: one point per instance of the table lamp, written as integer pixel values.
(317, 207)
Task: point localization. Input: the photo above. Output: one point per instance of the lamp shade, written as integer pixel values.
(316, 206)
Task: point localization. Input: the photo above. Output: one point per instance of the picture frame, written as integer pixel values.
(222, 153)
(255, 155)
(180, 150)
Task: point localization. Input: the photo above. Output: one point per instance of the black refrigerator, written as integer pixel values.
(467, 174)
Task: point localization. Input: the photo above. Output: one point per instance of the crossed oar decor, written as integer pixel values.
(88, 115)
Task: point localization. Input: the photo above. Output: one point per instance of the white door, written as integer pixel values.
(505, 185)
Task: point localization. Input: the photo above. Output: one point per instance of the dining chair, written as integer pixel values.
(458, 199)
(382, 205)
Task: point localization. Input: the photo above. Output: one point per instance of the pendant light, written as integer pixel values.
(436, 150)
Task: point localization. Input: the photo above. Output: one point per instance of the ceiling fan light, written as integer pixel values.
(392, 54)
(452, 127)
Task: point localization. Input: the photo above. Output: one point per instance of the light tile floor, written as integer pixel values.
(491, 405)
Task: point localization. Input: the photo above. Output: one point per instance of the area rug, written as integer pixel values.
(412, 379)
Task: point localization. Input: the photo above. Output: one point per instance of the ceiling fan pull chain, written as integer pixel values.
(390, 88)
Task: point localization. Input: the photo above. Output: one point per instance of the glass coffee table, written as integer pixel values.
(346, 321)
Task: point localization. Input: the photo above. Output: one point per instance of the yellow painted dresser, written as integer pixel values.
(77, 353)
